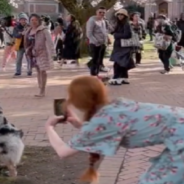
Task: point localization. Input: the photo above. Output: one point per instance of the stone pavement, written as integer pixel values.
(30, 114)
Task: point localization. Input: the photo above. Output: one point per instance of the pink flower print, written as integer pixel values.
(100, 128)
(122, 116)
(174, 170)
(153, 174)
(179, 141)
(158, 117)
(147, 141)
(154, 124)
(172, 130)
(181, 120)
(173, 109)
(125, 127)
(88, 149)
(133, 132)
(119, 124)
(117, 139)
(133, 121)
(161, 106)
(147, 118)
(136, 108)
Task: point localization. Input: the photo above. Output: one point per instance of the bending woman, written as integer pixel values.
(107, 125)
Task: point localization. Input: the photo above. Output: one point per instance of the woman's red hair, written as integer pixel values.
(88, 94)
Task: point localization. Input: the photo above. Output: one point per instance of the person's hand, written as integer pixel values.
(53, 121)
(73, 120)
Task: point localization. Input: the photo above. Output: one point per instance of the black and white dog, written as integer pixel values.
(11, 145)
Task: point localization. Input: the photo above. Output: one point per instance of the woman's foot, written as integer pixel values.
(125, 81)
(115, 82)
(164, 72)
(40, 96)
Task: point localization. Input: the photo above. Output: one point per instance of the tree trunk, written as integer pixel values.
(83, 12)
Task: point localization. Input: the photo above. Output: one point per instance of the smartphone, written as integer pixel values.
(60, 109)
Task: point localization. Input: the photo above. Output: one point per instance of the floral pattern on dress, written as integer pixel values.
(133, 125)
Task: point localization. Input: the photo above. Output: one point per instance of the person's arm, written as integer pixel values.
(89, 30)
(125, 34)
(61, 148)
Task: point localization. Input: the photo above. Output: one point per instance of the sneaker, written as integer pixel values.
(164, 72)
(115, 82)
(125, 82)
(104, 69)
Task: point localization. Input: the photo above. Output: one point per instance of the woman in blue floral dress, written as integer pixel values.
(105, 126)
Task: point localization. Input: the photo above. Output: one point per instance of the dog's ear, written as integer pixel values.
(5, 121)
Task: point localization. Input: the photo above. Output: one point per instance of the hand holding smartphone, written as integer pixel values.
(60, 109)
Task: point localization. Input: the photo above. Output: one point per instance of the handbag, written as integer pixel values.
(161, 43)
(132, 42)
(17, 44)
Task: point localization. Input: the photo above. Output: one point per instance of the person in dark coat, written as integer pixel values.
(121, 56)
(72, 40)
(180, 25)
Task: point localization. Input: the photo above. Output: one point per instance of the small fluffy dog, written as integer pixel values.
(11, 145)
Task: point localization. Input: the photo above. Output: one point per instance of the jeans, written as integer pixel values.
(120, 72)
(164, 57)
(151, 34)
(20, 55)
(97, 54)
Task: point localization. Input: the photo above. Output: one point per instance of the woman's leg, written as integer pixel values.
(42, 81)
(138, 57)
(116, 80)
(7, 52)
(124, 75)
(167, 168)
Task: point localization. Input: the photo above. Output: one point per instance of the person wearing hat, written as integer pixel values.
(164, 27)
(139, 28)
(18, 34)
(121, 56)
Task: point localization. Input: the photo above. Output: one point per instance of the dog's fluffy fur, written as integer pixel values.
(11, 145)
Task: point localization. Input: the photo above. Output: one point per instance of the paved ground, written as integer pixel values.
(30, 114)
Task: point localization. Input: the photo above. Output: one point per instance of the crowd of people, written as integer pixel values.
(104, 125)
(41, 41)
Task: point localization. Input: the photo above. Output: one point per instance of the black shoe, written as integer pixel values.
(17, 74)
(29, 74)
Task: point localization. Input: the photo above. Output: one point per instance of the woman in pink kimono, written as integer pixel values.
(105, 126)
(39, 50)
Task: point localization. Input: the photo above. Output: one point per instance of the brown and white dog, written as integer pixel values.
(11, 145)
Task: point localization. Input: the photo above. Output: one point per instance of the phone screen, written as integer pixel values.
(59, 108)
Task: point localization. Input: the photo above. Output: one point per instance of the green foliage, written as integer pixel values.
(5, 7)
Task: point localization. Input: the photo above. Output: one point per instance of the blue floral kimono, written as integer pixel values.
(139, 125)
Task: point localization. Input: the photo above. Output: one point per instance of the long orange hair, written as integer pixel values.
(88, 94)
